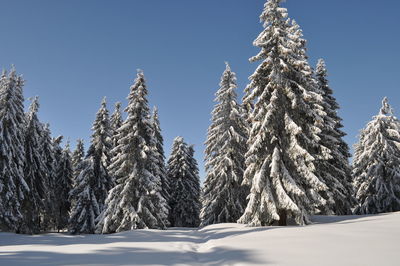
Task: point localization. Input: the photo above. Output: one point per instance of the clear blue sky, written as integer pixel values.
(73, 53)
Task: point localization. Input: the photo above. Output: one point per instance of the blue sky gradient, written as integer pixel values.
(73, 53)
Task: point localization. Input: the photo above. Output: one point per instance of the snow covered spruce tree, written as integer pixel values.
(283, 140)
(78, 155)
(333, 165)
(116, 123)
(100, 150)
(224, 196)
(12, 154)
(376, 165)
(195, 183)
(184, 186)
(160, 170)
(135, 200)
(85, 208)
(47, 146)
(35, 171)
(57, 149)
(63, 186)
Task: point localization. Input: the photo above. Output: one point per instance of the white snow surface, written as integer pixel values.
(331, 240)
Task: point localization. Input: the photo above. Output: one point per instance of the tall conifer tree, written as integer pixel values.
(224, 196)
(100, 151)
(285, 115)
(12, 154)
(184, 186)
(85, 208)
(133, 203)
(79, 154)
(333, 165)
(160, 170)
(116, 122)
(63, 186)
(35, 170)
(49, 159)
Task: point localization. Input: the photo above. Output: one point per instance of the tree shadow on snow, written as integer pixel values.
(192, 235)
(132, 256)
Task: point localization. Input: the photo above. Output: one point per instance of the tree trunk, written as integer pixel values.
(283, 218)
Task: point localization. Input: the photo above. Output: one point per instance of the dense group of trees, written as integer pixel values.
(276, 158)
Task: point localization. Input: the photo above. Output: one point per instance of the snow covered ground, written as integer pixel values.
(342, 240)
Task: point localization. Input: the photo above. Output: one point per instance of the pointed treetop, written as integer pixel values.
(178, 139)
(155, 111)
(321, 67)
(13, 70)
(79, 144)
(272, 10)
(139, 73)
(104, 101)
(34, 107)
(118, 106)
(228, 68)
(67, 146)
(386, 108)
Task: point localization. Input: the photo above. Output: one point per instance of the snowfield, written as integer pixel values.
(332, 240)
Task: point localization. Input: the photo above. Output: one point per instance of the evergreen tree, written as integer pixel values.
(116, 122)
(35, 171)
(195, 184)
(100, 150)
(224, 197)
(160, 169)
(285, 115)
(376, 165)
(49, 160)
(85, 207)
(63, 186)
(57, 150)
(133, 203)
(184, 186)
(12, 154)
(334, 166)
(78, 155)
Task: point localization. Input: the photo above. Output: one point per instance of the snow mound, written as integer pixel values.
(331, 240)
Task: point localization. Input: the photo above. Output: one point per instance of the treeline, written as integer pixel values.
(275, 158)
(120, 183)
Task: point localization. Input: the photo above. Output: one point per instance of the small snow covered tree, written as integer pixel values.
(160, 169)
(224, 196)
(78, 155)
(100, 150)
(57, 150)
(195, 184)
(48, 153)
(63, 185)
(85, 207)
(134, 202)
(283, 140)
(12, 154)
(35, 170)
(184, 186)
(376, 165)
(333, 165)
(116, 122)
